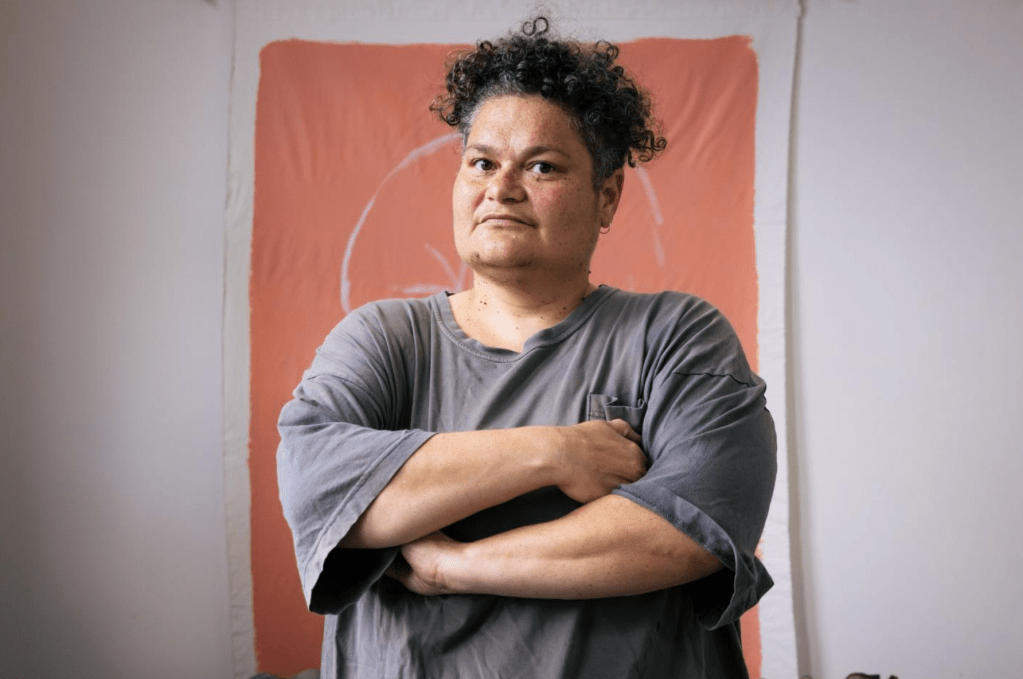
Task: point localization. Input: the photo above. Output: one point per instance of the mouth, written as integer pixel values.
(503, 220)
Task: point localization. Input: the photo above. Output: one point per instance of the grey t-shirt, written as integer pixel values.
(393, 373)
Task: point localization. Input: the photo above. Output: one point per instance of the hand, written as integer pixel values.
(594, 458)
(418, 565)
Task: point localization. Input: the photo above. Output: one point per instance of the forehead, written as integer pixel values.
(525, 121)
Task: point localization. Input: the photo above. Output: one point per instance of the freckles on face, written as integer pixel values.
(525, 162)
(566, 205)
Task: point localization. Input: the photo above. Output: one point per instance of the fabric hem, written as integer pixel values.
(330, 532)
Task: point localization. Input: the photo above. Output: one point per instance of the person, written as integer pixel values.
(538, 476)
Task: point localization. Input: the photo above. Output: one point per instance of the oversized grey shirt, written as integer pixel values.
(393, 373)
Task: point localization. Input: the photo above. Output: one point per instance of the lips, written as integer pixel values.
(495, 217)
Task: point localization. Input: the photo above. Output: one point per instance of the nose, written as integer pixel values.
(505, 186)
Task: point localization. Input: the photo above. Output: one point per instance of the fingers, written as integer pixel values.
(597, 457)
(416, 566)
(623, 428)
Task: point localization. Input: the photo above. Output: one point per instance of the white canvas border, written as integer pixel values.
(773, 26)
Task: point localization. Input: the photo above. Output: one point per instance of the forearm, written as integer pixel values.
(450, 477)
(455, 475)
(610, 547)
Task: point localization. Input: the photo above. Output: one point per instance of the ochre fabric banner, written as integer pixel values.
(341, 194)
(353, 204)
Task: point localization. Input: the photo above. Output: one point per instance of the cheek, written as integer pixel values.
(458, 190)
(571, 206)
(556, 202)
(462, 197)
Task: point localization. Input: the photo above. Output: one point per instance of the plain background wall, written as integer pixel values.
(905, 274)
(907, 245)
(113, 150)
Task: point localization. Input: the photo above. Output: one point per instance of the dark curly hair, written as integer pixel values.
(610, 110)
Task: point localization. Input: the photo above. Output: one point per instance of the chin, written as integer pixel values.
(501, 254)
(505, 262)
(499, 267)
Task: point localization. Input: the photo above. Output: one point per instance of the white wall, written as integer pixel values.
(906, 243)
(113, 151)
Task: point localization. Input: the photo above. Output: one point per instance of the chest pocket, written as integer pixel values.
(603, 407)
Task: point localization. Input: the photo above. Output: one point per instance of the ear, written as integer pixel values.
(610, 195)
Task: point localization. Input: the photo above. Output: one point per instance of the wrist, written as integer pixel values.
(547, 446)
(452, 569)
(462, 570)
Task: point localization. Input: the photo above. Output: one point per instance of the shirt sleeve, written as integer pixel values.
(712, 448)
(341, 443)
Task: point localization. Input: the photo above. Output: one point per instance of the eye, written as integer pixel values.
(481, 164)
(542, 167)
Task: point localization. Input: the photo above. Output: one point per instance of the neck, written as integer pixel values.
(504, 317)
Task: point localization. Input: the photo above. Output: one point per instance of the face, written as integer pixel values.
(524, 203)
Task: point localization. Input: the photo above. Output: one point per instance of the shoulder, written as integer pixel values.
(664, 302)
(684, 333)
(381, 331)
(668, 312)
(395, 311)
(390, 317)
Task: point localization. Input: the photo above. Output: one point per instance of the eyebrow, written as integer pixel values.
(531, 151)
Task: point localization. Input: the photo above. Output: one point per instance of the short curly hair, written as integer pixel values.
(611, 111)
